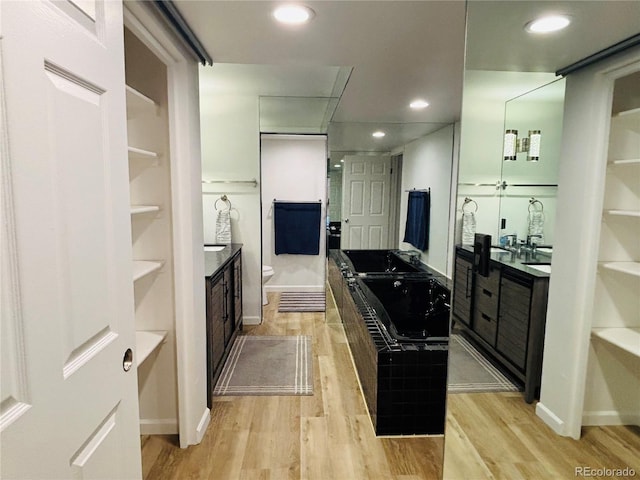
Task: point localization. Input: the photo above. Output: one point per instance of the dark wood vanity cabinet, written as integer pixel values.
(463, 289)
(224, 315)
(505, 314)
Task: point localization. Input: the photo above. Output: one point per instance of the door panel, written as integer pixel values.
(366, 202)
(68, 407)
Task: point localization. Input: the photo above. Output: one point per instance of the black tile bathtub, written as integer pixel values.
(397, 326)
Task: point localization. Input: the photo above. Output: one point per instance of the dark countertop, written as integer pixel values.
(214, 261)
(515, 261)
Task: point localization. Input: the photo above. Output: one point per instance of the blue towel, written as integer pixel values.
(297, 227)
(417, 229)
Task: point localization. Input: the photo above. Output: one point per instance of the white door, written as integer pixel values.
(366, 187)
(68, 409)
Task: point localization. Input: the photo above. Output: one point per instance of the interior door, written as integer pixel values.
(68, 408)
(366, 187)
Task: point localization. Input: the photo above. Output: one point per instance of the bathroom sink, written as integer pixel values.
(214, 248)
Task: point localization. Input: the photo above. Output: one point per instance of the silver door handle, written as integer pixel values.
(346, 220)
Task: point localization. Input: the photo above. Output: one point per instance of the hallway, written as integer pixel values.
(328, 436)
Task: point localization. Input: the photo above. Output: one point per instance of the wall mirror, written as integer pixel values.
(495, 102)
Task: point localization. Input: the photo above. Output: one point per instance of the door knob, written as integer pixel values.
(346, 220)
(127, 360)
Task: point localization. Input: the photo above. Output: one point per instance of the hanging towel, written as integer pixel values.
(417, 227)
(223, 226)
(468, 228)
(536, 225)
(297, 227)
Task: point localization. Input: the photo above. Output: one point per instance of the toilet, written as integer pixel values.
(267, 273)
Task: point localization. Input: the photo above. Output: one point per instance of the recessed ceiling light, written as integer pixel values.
(292, 14)
(551, 23)
(419, 104)
(337, 165)
(378, 134)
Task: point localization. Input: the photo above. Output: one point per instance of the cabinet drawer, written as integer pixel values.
(485, 325)
(487, 301)
(490, 283)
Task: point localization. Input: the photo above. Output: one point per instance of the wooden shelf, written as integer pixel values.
(142, 268)
(139, 209)
(630, 268)
(625, 162)
(147, 342)
(140, 154)
(627, 339)
(139, 104)
(624, 213)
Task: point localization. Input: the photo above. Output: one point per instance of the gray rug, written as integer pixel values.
(471, 372)
(268, 365)
(302, 302)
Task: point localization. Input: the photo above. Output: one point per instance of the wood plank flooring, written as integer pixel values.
(329, 436)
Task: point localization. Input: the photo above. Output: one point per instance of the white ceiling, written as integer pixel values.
(390, 53)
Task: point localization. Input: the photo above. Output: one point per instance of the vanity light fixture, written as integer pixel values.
(548, 24)
(529, 144)
(378, 134)
(533, 152)
(293, 14)
(510, 144)
(419, 104)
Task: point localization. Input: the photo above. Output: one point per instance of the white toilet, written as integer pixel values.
(267, 273)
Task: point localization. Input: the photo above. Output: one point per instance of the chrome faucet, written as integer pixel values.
(414, 256)
(531, 243)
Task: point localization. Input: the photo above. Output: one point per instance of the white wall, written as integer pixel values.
(427, 163)
(294, 167)
(230, 134)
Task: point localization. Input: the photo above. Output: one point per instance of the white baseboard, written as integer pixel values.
(251, 320)
(203, 424)
(294, 288)
(550, 418)
(158, 426)
(610, 417)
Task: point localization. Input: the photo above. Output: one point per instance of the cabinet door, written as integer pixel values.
(217, 322)
(462, 290)
(237, 291)
(515, 302)
(228, 305)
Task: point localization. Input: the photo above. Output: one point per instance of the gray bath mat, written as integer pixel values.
(471, 372)
(268, 365)
(302, 302)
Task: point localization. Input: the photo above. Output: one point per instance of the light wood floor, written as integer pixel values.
(329, 435)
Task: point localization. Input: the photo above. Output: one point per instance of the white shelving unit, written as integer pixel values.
(147, 342)
(152, 234)
(140, 209)
(613, 384)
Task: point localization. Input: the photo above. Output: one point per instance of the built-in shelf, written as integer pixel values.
(624, 213)
(142, 268)
(625, 338)
(631, 268)
(138, 103)
(147, 342)
(140, 154)
(626, 162)
(139, 209)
